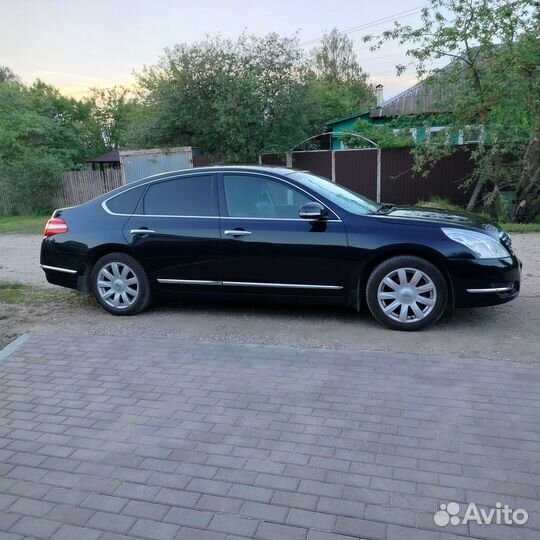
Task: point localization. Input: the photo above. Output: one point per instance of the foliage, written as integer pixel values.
(236, 98)
(336, 60)
(521, 227)
(231, 98)
(443, 204)
(482, 39)
(336, 84)
(113, 111)
(383, 135)
(42, 134)
(510, 227)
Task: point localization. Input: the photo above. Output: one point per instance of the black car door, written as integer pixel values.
(268, 248)
(175, 232)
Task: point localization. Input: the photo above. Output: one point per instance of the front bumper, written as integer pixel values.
(485, 282)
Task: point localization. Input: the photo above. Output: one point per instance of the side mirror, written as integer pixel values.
(312, 210)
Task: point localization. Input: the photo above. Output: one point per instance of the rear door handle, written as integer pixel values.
(236, 233)
(142, 231)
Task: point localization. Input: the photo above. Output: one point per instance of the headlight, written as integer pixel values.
(482, 245)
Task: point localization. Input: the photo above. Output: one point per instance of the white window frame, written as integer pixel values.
(413, 132)
(479, 127)
(436, 129)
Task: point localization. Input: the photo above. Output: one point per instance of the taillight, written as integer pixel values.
(54, 226)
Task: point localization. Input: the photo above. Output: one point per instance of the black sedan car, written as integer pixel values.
(263, 232)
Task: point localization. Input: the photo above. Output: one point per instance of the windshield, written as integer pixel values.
(343, 197)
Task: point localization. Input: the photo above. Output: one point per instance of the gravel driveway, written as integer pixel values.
(507, 332)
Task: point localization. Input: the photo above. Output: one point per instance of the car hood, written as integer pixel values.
(443, 217)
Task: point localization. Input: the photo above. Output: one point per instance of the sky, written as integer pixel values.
(79, 44)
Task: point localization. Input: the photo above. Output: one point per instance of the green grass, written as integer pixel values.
(521, 227)
(19, 293)
(12, 292)
(443, 204)
(23, 224)
(508, 227)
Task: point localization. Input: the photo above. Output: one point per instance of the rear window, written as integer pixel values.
(185, 196)
(126, 202)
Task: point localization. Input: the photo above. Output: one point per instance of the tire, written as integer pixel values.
(407, 293)
(120, 284)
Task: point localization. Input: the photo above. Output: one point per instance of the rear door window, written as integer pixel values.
(126, 202)
(183, 196)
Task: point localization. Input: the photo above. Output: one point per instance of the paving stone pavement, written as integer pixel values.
(108, 438)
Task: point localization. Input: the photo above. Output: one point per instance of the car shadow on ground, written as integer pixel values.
(290, 310)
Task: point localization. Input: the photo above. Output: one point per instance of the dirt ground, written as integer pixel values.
(508, 332)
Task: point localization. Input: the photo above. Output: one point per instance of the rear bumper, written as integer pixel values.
(486, 282)
(62, 266)
(58, 276)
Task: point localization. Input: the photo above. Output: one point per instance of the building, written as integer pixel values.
(136, 164)
(415, 111)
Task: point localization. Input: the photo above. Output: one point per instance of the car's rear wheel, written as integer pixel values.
(120, 284)
(407, 293)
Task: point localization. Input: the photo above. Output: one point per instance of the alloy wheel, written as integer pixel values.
(407, 295)
(118, 285)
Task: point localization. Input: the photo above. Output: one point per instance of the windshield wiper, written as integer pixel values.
(385, 208)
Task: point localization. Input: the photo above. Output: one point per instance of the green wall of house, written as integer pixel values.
(421, 127)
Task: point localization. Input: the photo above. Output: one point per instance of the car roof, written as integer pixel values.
(217, 168)
(283, 171)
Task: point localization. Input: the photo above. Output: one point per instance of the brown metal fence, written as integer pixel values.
(273, 159)
(317, 161)
(357, 170)
(401, 186)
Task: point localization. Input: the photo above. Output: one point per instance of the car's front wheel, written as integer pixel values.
(120, 284)
(407, 293)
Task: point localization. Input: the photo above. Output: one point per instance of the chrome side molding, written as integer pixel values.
(494, 290)
(190, 281)
(58, 269)
(246, 284)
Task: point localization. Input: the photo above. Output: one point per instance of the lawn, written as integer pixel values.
(521, 227)
(23, 224)
(12, 292)
(508, 227)
(19, 293)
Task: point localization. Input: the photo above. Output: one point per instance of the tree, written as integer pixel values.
(336, 61)
(383, 136)
(336, 84)
(484, 84)
(236, 98)
(232, 98)
(528, 187)
(42, 134)
(7, 75)
(113, 110)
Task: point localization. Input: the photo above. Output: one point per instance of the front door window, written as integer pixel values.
(258, 197)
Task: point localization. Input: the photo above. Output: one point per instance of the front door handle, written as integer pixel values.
(142, 231)
(236, 232)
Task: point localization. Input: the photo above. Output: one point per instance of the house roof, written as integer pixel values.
(107, 157)
(342, 119)
(419, 99)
